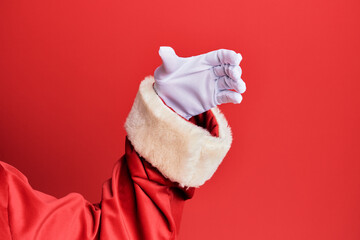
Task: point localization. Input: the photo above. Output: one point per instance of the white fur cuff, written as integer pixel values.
(180, 150)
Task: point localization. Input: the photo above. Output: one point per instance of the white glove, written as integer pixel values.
(193, 85)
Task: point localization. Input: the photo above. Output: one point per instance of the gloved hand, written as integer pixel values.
(193, 85)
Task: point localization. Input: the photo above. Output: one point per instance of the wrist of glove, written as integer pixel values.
(193, 85)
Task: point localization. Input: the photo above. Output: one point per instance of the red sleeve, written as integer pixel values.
(137, 203)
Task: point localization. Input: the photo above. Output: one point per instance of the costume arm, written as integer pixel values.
(165, 157)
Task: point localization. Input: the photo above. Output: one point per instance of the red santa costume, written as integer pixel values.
(165, 157)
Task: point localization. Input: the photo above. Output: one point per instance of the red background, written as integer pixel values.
(70, 70)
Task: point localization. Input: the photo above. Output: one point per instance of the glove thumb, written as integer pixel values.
(169, 58)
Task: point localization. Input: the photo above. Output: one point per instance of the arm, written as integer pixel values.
(166, 156)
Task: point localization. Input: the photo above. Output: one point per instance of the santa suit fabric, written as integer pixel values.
(144, 197)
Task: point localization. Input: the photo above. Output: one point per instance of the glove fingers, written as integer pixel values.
(226, 83)
(220, 70)
(231, 71)
(223, 56)
(234, 72)
(229, 57)
(228, 96)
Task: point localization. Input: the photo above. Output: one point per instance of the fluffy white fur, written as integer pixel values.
(181, 151)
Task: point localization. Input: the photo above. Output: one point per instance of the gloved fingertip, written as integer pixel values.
(237, 98)
(241, 86)
(239, 58)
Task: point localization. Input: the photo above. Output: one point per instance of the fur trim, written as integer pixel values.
(181, 151)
